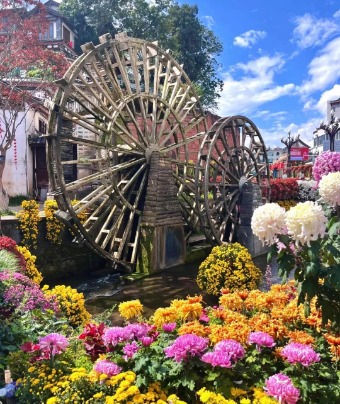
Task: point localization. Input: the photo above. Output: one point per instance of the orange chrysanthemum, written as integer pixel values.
(194, 327)
(194, 299)
(190, 311)
(231, 301)
(301, 336)
(237, 331)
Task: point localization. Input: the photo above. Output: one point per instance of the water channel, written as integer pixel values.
(104, 290)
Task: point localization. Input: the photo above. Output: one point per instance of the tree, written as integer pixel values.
(175, 27)
(331, 129)
(26, 69)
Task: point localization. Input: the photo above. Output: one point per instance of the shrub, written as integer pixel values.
(28, 219)
(228, 266)
(283, 189)
(18, 259)
(71, 304)
(54, 226)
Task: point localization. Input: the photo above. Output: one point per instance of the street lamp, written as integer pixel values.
(289, 143)
(331, 129)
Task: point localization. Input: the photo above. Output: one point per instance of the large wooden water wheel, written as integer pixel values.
(120, 103)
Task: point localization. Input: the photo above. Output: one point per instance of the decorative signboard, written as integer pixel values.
(299, 153)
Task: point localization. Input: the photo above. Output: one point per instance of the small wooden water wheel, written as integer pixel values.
(121, 102)
(232, 154)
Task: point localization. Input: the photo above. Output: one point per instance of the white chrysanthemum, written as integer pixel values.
(329, 188)
(305, 222)
(268, 221)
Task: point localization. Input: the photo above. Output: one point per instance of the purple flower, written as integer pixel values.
(107, 368)
(261, 339)
(115, 335)
(138, 330)
(325, 163)
(225, 354)
(186, 345)
(147, 341)
(217, 359)
(53, 343)
(130, 350)
(169, 327)
(281, 387)
(204, 317)
(300, 353)
(21, 293)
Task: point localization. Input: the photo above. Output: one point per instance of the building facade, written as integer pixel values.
(321, 141)
(25, 171)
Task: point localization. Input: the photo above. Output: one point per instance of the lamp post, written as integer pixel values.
(289, 141)
(331, 129)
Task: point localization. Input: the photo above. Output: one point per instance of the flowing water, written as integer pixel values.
(105, 290)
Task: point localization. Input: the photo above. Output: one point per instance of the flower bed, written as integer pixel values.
(254, 347)
(284, 189)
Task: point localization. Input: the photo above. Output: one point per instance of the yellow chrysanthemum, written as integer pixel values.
(164, 315)
(130, 309)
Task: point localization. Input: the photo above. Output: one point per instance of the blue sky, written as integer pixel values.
(280, 64)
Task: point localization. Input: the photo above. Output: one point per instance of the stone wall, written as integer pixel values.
(56, 261)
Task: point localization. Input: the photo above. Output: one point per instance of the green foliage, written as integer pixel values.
(18, 329)
(7, 212)
(228, 266)
(316, 268)
(165, 21)
(9, 261)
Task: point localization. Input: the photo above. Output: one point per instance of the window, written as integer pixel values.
(66, 35)
(42, 127)
(51, 30)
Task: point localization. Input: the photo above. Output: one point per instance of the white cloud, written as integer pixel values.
(329, 95)
(336, 14)
(209, 21)
(310, 31)
(249, 38)
(272, 137)
(266, 115)
(324, 69)
(255, 87)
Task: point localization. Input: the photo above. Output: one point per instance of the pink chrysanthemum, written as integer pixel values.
(169, 327)
(282, 389)
(300, 353)
(107, 368)
(130, 350)
(225, 354)
(115, 335)
(138, 330)
(147, 341)
(185, 346)
(261, 339)
(53, 343)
